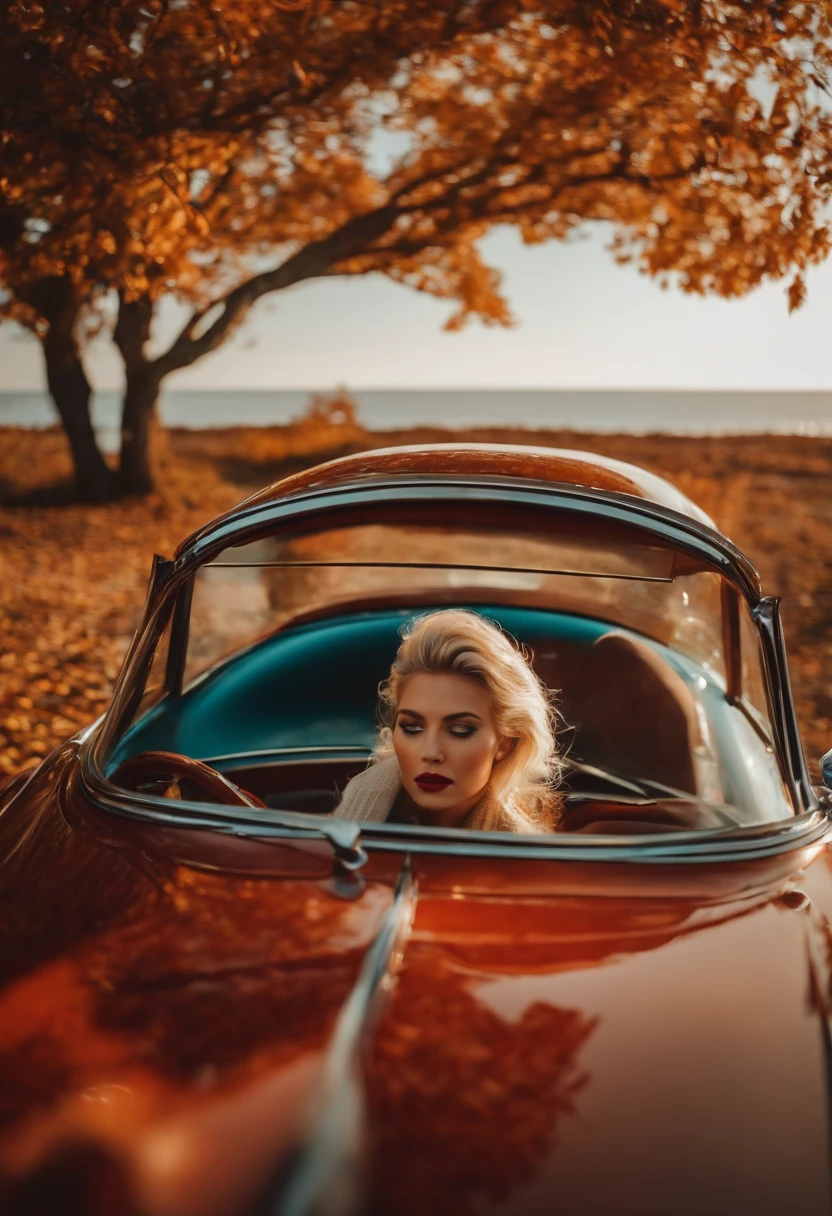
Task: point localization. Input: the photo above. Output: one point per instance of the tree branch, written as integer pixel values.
(356, 236)
(312, 261)
(444, 235)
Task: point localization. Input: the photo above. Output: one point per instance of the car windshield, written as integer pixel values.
(271, 676)
(248, 592)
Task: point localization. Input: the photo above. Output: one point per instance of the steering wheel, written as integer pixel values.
(148, 769)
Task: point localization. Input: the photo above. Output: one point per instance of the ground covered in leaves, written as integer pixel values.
(73, 578)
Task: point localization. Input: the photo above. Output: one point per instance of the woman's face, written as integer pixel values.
(446, 743)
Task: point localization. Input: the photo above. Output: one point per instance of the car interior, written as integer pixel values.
(650, 739)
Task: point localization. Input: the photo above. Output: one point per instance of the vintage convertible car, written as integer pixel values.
(218, 1000)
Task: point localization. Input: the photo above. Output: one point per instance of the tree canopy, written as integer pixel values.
(220, 151)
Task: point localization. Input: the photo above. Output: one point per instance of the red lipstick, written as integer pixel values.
(432, 783)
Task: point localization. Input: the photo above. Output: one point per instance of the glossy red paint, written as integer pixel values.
(163, 1022)
(550, 465)
(583, 1055)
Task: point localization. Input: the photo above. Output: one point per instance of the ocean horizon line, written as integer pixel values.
(626, 410)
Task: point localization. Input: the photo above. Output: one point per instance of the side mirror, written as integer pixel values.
(826, 770)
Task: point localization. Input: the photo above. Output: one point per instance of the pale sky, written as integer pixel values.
(583, 322)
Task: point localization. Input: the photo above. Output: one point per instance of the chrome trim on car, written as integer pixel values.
(694, 847)
(87, 732)
(327, 1163)
(781, 703)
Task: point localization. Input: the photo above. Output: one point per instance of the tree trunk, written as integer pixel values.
(71, 392)
(135, 474)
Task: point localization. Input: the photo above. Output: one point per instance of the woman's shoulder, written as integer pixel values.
(370, 795)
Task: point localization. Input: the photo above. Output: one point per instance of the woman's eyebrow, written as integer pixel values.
(464, 713)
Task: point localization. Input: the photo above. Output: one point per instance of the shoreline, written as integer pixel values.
(642, 411)
(801, 430)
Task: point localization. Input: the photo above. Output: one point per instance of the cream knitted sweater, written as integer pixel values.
(370, 796)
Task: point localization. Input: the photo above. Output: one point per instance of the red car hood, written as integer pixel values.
(583, 1058)
(166, 1025)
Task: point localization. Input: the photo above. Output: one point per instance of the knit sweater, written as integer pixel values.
(370, 795)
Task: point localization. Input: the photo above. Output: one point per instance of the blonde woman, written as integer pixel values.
(467, 734)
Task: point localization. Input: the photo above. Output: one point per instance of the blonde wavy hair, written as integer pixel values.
(464, 643)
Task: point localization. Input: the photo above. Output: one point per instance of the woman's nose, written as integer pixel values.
(431, 749)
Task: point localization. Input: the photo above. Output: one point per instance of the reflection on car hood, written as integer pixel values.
(555, 1063)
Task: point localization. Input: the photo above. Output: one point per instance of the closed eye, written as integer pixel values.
(458, 732)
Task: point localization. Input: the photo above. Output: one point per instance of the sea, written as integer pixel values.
(679, 412)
